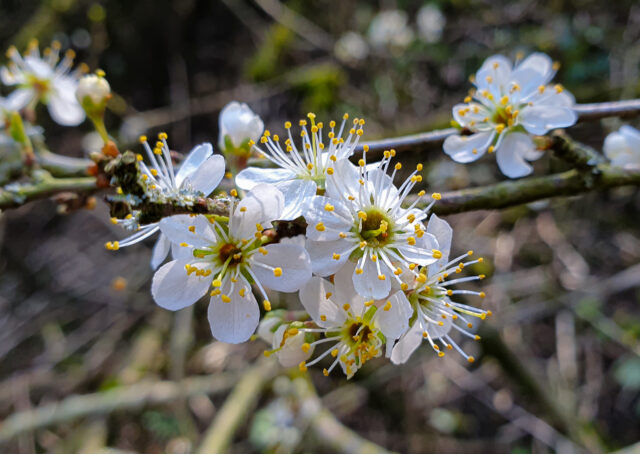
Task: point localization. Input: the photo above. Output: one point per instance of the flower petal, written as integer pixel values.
(194, 159)
(173, 289)
(240, 123)
(368, 283)
(178, 230)
(345, 292)
(321, 254)
(539, 119)
(19, 98)
(394, 322)
(407, 344)
(293, 261)
(461, 148)
(443, 234)
(63, 105)
(344, 181)
(420, 253)
(290, 351)
(251, 176)
(334, 221)
(510, 155)
(207, 177)
(323, 311)
(297, 195)
(234, 322)
(264, 203)
(160, 251)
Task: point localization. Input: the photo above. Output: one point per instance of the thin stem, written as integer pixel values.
(27, 192)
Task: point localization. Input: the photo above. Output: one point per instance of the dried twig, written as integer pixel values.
(129, 398)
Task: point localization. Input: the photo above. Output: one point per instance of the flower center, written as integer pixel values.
(377, 228)
(230, 251)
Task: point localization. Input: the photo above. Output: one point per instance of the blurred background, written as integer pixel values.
(558, 369)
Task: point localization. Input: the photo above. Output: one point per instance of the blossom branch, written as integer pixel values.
(13, 196)
(426, 140)
(511, 193)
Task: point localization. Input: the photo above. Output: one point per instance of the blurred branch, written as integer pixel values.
(128, 398)
(426, 140)
(237, 406)
(63, 166)
(21, 193)
(580, 155)
(300, 25)
(327, 430)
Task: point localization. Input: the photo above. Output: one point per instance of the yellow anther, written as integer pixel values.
(329, 207)
(259, 227)
(216, 283)
(387, 306)
(482, 295)
(225, 299)
(302, 366)
(359, 271)
(183, 244)
(412, 266)
(411, 241)
(233, 193)
(336, 256)
(559, 88)
(541, 89)
(334, 352)
(362, 215)
(404, 286)
(330, 171)
(325, 372)
(277, 272)
(436, 254)
(382, 277)
(471, 359)
(500, 127)
(504, 100)
(266, 304)
(320, 227)
(345, 116)
(436, 196)
(243, 209)
(346, 306)
(342, 235)
(305, 347)
(323, 318)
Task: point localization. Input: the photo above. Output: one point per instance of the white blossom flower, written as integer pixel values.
(390, 28)
(198, 175)
(429, 295)
(230, 257)
(351, 47)
(430, 22)
(361, 218)
(623, 148)
(355, 329)
(45, 79)
(509, 105)
(302, 171)
(239, 126)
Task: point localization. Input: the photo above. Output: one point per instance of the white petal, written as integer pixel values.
(207, 177)
(345, 292)
(173, 289)
(252, 176)
(510, 155)
(297, 195)
(176, 228)
(344, 181)
(40, 68)
(321, 254)
(313, 296)
(407, 344)
(539, 119)
(422, 252)
(334, 221)
(535, 70)
(65, 112)
(194, 159)
(63, 105)
(18, 99)
(264, 203)
(233, 322)
(394, 322)
(294, 262)
(461, 148)
(160, 251)
(443, 233)
(369, 285)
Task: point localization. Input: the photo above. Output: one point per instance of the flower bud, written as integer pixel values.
(93, 92)
(289, 345)
(239, 126)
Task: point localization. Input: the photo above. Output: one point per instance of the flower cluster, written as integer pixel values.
(508, 105)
